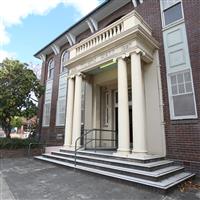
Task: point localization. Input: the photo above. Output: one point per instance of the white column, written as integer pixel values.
(69, 113)
(138, 106)
(123, 110)
(77, 110)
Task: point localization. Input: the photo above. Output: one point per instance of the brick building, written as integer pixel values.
(130, 71)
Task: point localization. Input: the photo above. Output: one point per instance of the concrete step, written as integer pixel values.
(153, 175)
(108, 154)
(161, 184)
(150, 166)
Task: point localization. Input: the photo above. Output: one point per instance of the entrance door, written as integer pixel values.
(130, 125)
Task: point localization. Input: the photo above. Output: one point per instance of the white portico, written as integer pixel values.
(119, 69)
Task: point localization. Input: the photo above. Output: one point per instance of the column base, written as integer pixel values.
(68, 147)
(122, 153)
(141, 155)
(73, 147)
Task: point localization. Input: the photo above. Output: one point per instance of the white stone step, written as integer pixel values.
(153, 174)
(111, 156)
(163, 184)
(122, 162)
(156, 173)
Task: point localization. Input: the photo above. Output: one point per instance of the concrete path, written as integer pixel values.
(28, 179)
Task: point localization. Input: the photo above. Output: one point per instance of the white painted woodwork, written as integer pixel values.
(123, 109)
(47, 103)
(77, 110)
(177, 62)
(138, 105)
(69, 113)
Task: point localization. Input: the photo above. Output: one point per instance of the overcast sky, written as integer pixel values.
(28, 25)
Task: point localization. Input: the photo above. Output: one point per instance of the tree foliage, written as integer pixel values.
(18, 85)
(16, 121)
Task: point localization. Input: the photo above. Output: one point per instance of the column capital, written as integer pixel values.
(123, 56)
(80, 74)
(138, 51)
(70, 77)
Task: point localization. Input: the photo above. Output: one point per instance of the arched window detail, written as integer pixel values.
(51, 69)
(64, 58)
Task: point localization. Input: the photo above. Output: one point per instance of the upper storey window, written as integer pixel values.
(51, 69)
(64, 58)
(172, 11)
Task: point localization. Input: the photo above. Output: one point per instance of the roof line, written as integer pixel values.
(71, 27)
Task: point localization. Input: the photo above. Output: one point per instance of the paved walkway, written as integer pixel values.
(28, 179)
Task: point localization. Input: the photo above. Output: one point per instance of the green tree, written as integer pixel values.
(16, 122)
(18, 85)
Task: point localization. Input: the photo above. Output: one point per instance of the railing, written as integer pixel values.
(95, 42)
(95, 137)
(107, 34)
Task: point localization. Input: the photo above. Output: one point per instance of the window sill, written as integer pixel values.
(185, 121)
(45, 126)
(173, 24)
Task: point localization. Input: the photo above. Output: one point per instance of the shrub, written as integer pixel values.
(16, 143)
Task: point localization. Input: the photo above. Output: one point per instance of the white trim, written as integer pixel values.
(44, 122)
(58, 112)
(170, 96)
(73, 38)
(89, 23)
(134, 3)
(178, 69)
(94, 23)
(48, 69)
(141, 1)
(62, 64)
(69, 39)
(163, 17)
(55, 49)
(43, 57)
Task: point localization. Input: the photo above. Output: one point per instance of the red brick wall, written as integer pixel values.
(182, 136)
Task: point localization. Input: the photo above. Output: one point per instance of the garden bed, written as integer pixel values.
(17, 153)
(14, 148)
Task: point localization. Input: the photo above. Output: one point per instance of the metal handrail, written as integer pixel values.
(88, 131)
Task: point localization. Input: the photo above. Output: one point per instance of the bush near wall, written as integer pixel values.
(17, 148)
(15, 143)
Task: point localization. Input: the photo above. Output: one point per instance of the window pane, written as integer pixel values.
(168, 3)
(188, 87)
(180, 78)
(173, 14)
(174, 90)
(181, 89)
(184, 105)
(173, 79)
(187, 76)
(50, 69)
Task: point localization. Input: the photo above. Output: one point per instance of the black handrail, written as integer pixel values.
(88, 131)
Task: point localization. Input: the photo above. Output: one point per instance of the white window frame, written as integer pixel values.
(44, 123)
(170, 96)
(163, 16)
(63, 62)
(51, 67)
(61, 96)
(171, 102)
(58, 123)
